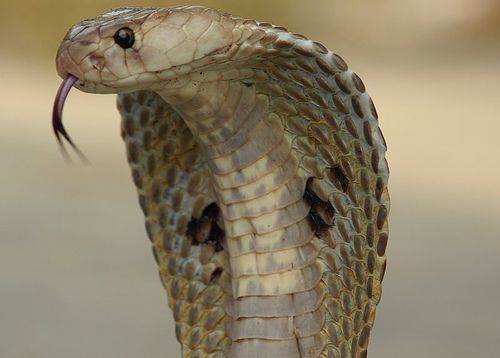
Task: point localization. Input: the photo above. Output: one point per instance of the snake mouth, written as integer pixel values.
(57, 124)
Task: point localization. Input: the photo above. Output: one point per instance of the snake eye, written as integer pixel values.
(124, 37)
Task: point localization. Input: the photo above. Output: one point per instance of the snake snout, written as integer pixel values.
(65, 62)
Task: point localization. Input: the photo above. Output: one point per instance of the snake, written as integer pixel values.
(260, 169)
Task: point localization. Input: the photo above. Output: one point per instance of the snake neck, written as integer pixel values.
(270, 245)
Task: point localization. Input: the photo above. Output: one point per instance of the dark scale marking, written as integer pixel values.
(155, 255)
(339, 174)
(379, 189)
(321, 213)
(215, 237)
(339, 62)
(369, 287)
(342, 84)
(325, 66)
(373, 110)
(205, 229)
(356, 105)
(149, 230)
(382, 271)
(211, 211)
(325, 212)
(144, 204)
(216, 274)
(382, 244)
(358, 83)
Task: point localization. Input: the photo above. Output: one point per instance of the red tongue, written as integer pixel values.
(57, 124)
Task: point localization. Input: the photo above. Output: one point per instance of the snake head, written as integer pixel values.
(129, 49)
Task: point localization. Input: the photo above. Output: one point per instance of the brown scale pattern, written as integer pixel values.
(353, 267)
(173, 189)
(341, 173)
(329, 118)
(332, 126)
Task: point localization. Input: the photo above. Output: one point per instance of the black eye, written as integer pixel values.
(124, 37)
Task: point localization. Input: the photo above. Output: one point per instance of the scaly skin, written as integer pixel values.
(276, 131)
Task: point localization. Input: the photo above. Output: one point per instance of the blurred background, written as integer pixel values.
(77, 278)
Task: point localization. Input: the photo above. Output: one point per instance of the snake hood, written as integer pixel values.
(260, 169)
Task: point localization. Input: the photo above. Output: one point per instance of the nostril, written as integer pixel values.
(97, 62)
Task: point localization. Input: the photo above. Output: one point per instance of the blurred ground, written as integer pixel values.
(77, 278)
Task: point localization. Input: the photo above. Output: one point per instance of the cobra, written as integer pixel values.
(260, 169)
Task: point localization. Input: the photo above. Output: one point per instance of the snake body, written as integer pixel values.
(260, 170)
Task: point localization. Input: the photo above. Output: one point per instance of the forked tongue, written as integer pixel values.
(57, 124)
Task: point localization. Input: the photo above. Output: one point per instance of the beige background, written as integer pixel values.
(77, 278)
